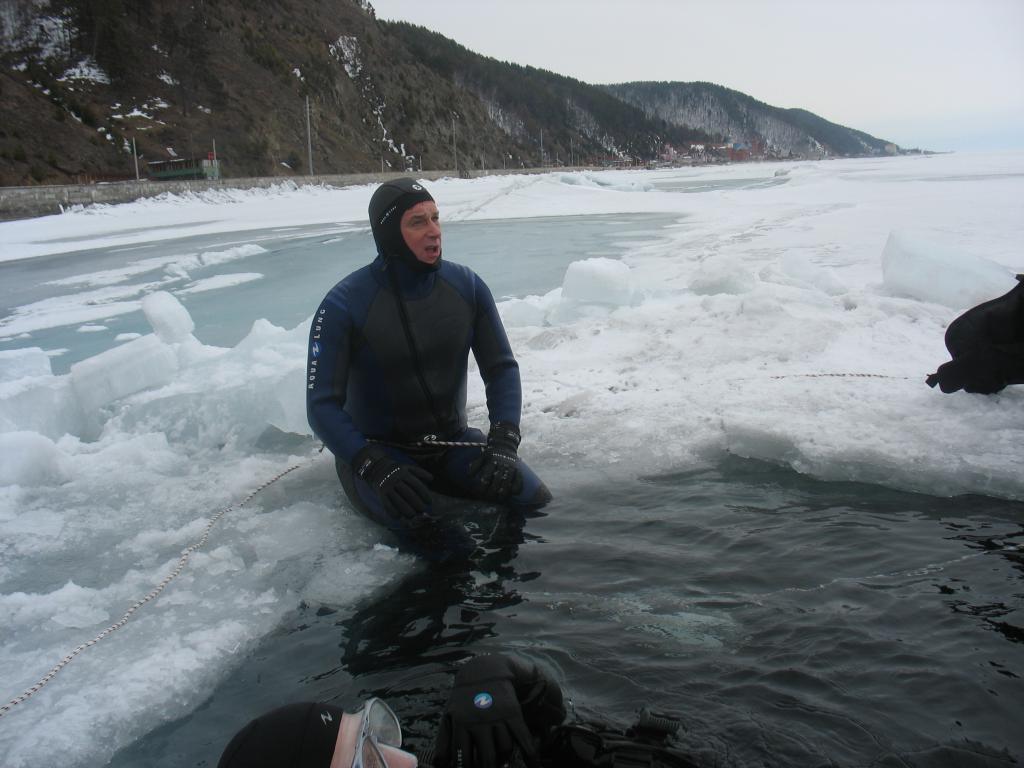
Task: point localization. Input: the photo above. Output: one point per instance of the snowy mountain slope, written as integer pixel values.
(740, 118)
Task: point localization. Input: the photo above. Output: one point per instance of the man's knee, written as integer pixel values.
(534, 493)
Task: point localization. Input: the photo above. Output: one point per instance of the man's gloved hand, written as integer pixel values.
(484, 719)
(977, 371)
(497, 471)
(402, 487)
(949, 377)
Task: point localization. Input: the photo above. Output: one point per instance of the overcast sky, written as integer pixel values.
(937, 74)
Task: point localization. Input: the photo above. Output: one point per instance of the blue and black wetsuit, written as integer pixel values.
(388, 356)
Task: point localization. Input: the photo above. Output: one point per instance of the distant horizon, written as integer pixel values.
(891, 80)
(1002, 137)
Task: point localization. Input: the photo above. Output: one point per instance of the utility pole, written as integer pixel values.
(455, 149)
(135, 155)
(309, 140)
(541, 147)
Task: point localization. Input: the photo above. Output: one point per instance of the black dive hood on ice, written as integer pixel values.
(389, 202)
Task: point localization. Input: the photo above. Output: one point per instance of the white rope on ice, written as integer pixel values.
(839, 376)
(182, 562)
(828, 376)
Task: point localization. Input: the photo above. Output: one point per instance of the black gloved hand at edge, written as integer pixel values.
(402, 487)
(485, 719)
(497, 470)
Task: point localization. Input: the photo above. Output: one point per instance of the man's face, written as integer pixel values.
(421, 230)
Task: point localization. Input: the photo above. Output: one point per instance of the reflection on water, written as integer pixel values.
(785, 621)
(1002, 615)
(440, 607)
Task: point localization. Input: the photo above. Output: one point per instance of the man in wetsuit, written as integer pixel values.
(387, 364)
(501, 711)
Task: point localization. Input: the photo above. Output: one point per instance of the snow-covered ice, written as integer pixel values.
(220, 281)
(722, 335)
(170, 320)
(23, 363)
(955, 279)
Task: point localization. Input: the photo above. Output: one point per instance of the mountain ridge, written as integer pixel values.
(745, 119)
(88, 85)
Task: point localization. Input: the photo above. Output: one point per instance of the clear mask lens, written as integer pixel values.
(382, 724)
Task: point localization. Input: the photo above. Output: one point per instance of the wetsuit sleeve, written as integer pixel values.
(328, 361)
(1011, 358)
(987, 346)
(968, 332)
(498, 366)
(998, 323)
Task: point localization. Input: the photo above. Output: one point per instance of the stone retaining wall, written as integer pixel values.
(29, 202)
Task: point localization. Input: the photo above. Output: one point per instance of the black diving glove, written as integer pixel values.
(487, 714)
(402, 487)
(977, 371)
(497, 470)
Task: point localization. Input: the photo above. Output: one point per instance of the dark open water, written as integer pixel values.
(786, 621)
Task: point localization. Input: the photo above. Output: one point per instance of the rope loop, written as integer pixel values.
(430, 441)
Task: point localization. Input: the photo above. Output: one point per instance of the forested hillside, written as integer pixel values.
(274, 85)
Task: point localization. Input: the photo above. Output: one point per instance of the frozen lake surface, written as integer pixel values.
(764, 520)
(229, 280)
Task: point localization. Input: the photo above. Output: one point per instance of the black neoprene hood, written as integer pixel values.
(293, 736)
(390, 200)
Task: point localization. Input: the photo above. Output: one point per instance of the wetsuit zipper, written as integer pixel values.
(406, 326)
